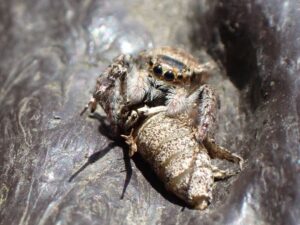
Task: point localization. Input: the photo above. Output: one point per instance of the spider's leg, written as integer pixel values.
(137, 86)
(206, 110)
(177, 101)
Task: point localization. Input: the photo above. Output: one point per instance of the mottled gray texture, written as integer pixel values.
(51, 54)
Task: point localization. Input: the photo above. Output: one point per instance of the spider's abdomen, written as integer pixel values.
(169, 146)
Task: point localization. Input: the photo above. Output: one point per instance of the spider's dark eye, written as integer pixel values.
(150, 62)
(169, 75)
(158, 70)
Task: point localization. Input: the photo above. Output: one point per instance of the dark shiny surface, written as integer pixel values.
(51, 54)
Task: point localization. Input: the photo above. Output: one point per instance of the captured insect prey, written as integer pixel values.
(159, 102)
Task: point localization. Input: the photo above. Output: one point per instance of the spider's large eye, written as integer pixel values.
(169, 75)
(158, 70)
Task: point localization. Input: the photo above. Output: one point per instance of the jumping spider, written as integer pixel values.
(155, 95)
(166, 77)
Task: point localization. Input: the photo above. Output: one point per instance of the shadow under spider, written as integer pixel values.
(117, 141)
(145, 169)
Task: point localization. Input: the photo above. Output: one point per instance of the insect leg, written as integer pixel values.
(147, 111)
(217, 151)
(130, 140)
(222, 174)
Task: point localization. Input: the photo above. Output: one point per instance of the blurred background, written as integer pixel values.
(58, 168)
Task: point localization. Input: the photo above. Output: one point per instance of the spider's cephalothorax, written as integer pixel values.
(174, 66)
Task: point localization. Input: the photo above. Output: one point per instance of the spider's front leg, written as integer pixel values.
(206, 111)
(137, 86)
(201, 105)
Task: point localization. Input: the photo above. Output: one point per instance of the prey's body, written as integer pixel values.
(179, 160)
